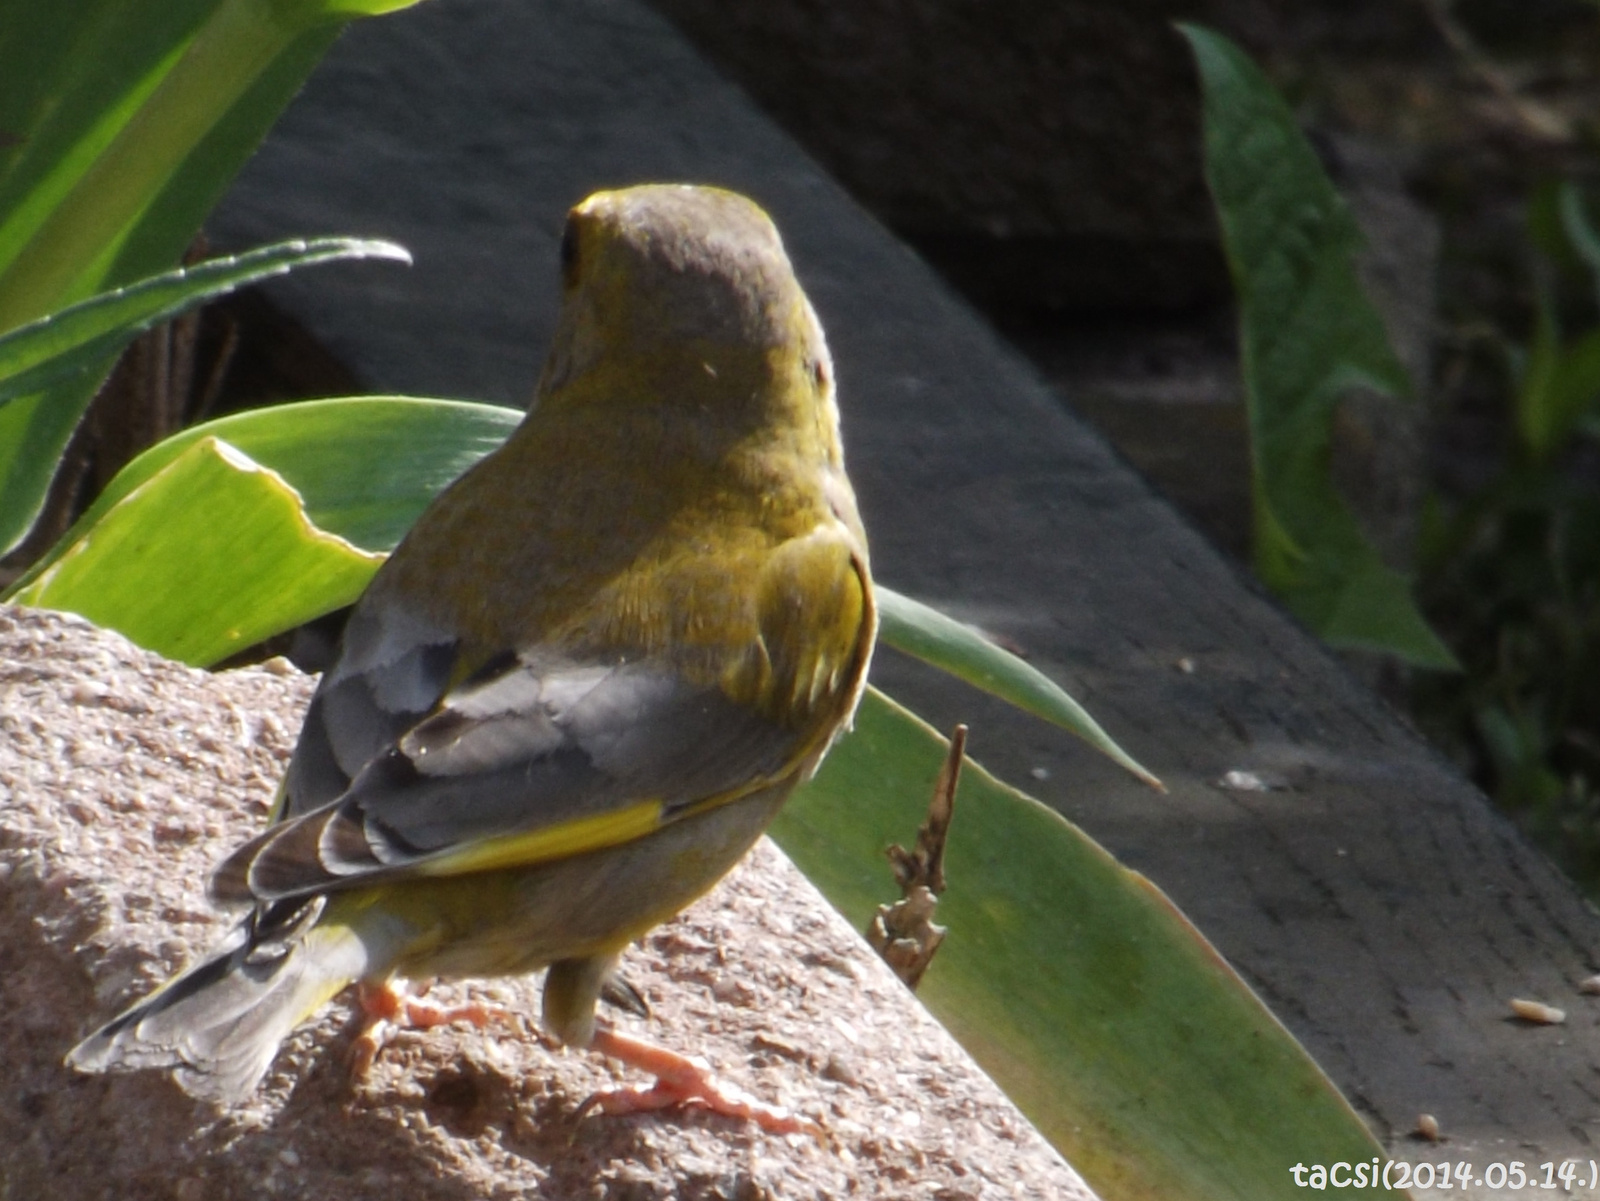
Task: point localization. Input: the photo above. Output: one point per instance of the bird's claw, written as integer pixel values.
(388, 1007)
(685, 1082)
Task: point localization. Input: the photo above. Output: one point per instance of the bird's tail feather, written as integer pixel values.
(219, 1023)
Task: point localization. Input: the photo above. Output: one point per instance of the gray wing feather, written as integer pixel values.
(380, 687)
(537, 746)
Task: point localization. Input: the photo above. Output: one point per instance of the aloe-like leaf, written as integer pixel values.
(1308, 334)
(1074, 982)
(209, 555)
(83, 336)
(364, 466)
(51, 368)
(953, 646)
(111, 104)
(34, 431)
(121, 123)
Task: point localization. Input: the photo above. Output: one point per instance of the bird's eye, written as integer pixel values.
(819, 374)
(569, 255)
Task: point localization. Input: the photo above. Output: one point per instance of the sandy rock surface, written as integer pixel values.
(124, 778)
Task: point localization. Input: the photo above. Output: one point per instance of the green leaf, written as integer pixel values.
(1536, 389)
(207, 556)
(1074, 982)
(77, 72)
(927, 634)
(121, 123)
(50, 369)
(365, 466)
(83, 337)
(34, 431)
(1558, 385)
(1365, 605)
(109, 104)
(1576, 387)
(1580, 232)
(1308, 335)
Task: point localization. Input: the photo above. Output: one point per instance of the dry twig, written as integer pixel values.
(904, 933)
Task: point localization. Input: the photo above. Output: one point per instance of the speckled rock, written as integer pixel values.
(124, 777)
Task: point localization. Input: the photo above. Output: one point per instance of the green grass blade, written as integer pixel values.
(1074, 982)
(121, 123)
(927, 634)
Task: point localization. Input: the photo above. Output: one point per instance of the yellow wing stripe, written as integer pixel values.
(280, 801)
(575, 837)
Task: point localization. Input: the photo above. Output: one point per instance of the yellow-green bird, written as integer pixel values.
(582, 685)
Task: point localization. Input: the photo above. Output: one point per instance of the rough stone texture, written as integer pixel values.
(125, 777)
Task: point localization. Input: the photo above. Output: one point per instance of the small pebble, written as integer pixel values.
(1244, 781)
(1538, 1011)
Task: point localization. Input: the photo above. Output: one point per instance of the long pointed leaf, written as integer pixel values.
(83, 336)
(927, 634)
(65, 234)
(1580, 232)
(121, 123)
(1074, 982)
(34, 431)
(1307, 335)
(67, 355)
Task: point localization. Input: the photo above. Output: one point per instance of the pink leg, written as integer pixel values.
(683, 1081)
(388, 1007)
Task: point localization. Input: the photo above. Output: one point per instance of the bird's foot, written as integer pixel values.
(683, 1082)
(388, 1007)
